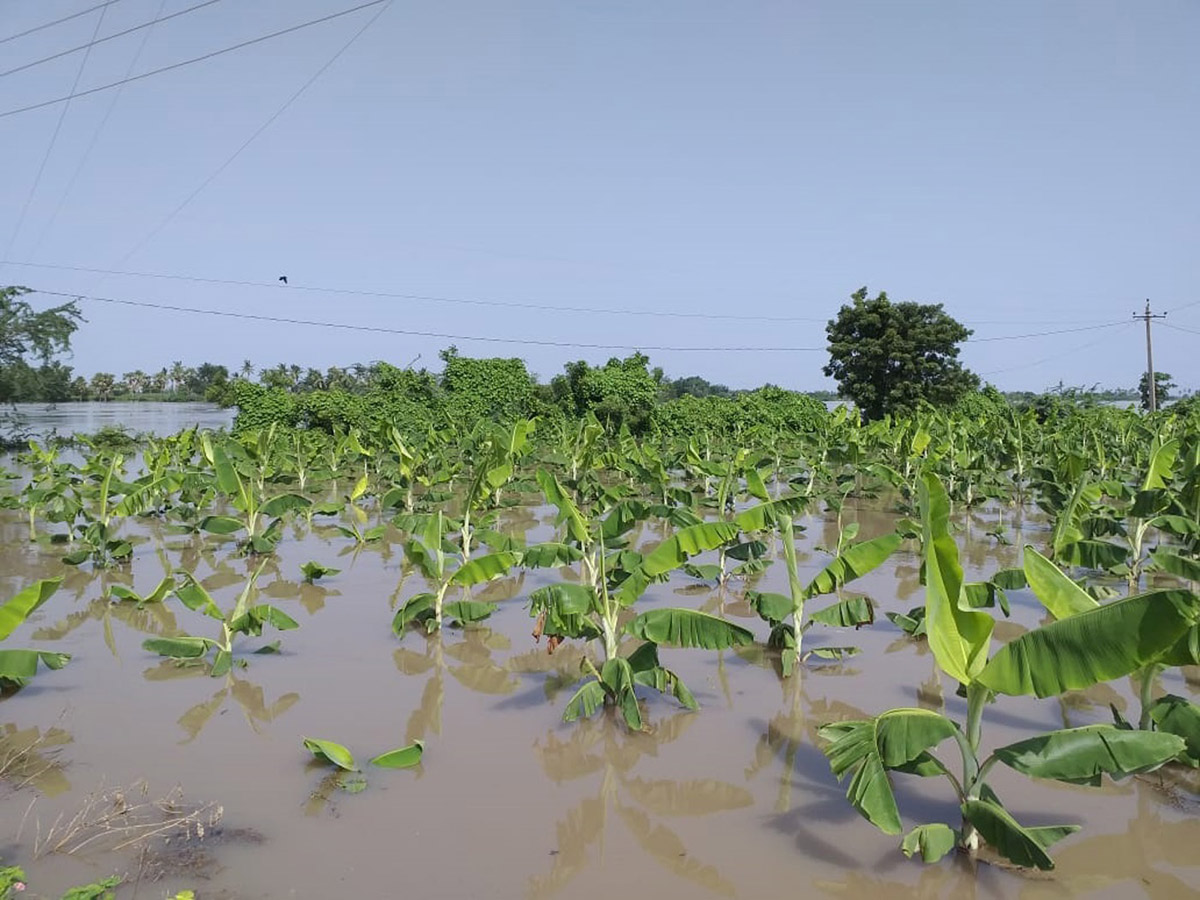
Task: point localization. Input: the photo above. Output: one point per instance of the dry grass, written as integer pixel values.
(111, 820)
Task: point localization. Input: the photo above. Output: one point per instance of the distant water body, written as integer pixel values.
(65, 419)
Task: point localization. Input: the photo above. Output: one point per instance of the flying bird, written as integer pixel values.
(283, 278)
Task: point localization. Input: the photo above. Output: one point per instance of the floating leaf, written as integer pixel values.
(401, 758)
(331, 752)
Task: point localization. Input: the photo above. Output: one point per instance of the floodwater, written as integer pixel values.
(63, 419)
(735, 800)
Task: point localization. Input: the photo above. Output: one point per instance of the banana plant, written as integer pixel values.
(851, 561)
(1063, 598)
(245, 617)
(728, 476)
(446, 567)
(597, 608)
(17, 667)
(49, 492)
(1072, 654)
(496, 455)
(261, 518)
(358, 531)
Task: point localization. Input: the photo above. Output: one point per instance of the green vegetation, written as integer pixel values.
(890, 357)
(646, 492)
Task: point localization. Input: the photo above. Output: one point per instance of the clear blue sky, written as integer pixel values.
(1031, 165)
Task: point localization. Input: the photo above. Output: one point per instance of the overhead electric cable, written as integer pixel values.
(45, 25)
(428, 298)
(1183, 306)
(37, 179)
(170, 217)
(1058, 355)
(1179, 328)
(108, 37)
(195, 59)
(502, 304)
(1036, 334)
(87, 153)
(285, 320)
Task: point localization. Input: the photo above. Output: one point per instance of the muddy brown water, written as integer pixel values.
(733, 800)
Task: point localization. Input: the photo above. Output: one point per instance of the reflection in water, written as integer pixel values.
(322, 797)
(602, 749)
(1137, 859)
(311, 596)
(475, 671)
(29, 758)
(951, 880)
(1134, 863)
(154, 619)
(793, 729)
(247, 695)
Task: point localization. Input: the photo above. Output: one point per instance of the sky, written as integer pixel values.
(669, 174)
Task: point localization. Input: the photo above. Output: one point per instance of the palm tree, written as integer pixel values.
(102, 385)
(135, 381)
(247, 369)
(177, 375)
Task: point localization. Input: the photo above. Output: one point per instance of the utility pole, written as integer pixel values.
(1151, 386)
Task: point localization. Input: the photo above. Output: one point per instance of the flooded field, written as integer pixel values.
(734, 800)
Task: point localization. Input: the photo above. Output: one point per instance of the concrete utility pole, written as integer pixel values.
(1151, 386)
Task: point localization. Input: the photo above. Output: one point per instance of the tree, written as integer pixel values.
(135, 381)
(1163, 385)
(621, 392)
(889, 357)
(204, 377)
(103, 384)
(28, 336)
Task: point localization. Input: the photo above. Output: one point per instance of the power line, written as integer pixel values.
(1184, 306)
(380, 329)
(1055, 356)
(170, 217)
(37, 179)
(1035, 334)
(427, 298)
(502, 304)
(195, 59)
(36, 28)
(108, 37)
(87, 153)
(1180, 328)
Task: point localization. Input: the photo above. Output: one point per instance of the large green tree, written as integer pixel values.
(889, 357)
(1163, 385)
(29, 336)
(621, 392)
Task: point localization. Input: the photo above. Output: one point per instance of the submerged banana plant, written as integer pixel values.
(245, 617)
(851, 561)
(597, 607)
(246, 491)
(1084, 649)
(18, 666)
(446, 568)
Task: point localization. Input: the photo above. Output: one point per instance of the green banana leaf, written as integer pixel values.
(1058, 593)
(1108, 642)
(869, 747)
(1082, 755)
(673, 627)
(959, 638)
(331, 752)
(21, 606)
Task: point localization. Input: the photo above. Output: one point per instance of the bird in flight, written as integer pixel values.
(283, 278)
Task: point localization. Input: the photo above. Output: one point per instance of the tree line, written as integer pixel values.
(886, 357)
